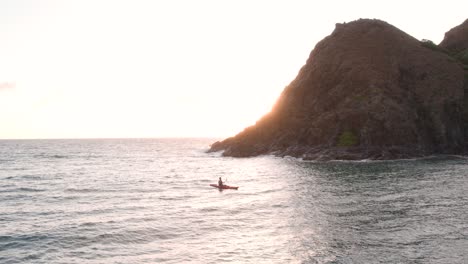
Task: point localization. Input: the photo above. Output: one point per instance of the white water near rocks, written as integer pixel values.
(149, 201)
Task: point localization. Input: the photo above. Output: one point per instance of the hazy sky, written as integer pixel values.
(74, 69)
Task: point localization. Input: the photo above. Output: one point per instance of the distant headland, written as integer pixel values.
(368, 91)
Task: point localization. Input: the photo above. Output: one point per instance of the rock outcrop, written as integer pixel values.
(455, 43)
(456, 39)
(367, 91)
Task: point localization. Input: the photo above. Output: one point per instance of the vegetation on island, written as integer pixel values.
(347, 139)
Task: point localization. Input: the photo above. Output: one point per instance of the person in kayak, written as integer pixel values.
(220, 182)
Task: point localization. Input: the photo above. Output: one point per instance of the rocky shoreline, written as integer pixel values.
(327, 153)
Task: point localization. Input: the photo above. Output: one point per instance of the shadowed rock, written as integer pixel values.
(367, 91)
(456, 39)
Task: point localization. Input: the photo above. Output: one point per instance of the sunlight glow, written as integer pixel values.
(74, 69)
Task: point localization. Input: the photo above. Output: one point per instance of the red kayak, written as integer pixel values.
(224, 186)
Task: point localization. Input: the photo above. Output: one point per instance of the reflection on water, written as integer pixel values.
(387, 212)
(149, 201)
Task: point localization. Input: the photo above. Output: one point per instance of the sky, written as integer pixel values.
(179, 68)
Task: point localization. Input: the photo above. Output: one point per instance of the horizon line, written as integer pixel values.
(101, 138)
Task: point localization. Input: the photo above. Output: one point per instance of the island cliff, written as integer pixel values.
(367, 91)
(456, 39)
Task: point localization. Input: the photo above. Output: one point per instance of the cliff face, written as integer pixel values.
(456, 39)
(455, 43)
(368, 90)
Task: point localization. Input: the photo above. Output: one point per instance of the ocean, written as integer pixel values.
(149, 201)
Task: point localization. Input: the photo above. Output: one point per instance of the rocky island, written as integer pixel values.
(368, 91)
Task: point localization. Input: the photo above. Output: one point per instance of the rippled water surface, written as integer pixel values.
(149, 201)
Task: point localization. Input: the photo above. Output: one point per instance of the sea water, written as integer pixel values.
(149, 201)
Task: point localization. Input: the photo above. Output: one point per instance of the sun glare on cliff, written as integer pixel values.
(73, 69)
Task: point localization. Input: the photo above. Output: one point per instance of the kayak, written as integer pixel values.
(224, 186)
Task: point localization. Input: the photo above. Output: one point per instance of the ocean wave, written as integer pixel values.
(90, 190)
(18, 241)
(22, 189)
(51, 156)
